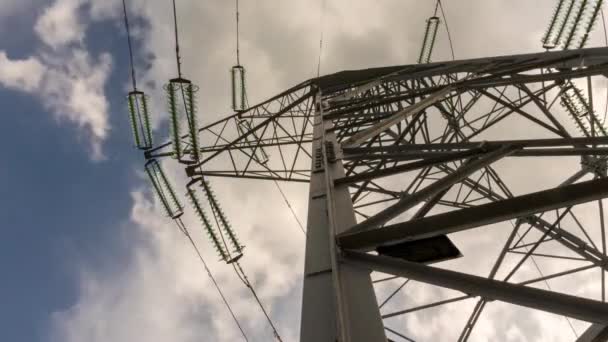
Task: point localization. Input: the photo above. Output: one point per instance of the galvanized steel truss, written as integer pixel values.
(404, 153)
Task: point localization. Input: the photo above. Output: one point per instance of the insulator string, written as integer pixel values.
(124, 8)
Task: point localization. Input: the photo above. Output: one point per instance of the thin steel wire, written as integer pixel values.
(447, 28)
(184, 230)
(321, 37)
(177, 57)
(238, 60)
(124, 8)
(293, 213)
(243, 277)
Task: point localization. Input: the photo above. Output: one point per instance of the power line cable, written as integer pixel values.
(447, 27)
(124, 7)
(293, 213)
(179, 66)
(321, 37)
(184, 230)
(238, 60)
(243, 277)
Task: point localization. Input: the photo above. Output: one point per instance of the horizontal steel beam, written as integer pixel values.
(441, 159)
(476, 144)
(484, 214)
(435, 157)
(557, 303)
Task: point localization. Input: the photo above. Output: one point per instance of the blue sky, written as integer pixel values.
(60, 209)
(86, 253)
(68, 214)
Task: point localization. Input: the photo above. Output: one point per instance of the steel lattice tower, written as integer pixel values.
(399, 157)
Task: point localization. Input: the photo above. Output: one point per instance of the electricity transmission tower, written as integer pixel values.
(398, 158)
(377, 143)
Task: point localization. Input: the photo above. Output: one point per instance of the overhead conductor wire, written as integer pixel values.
(184, 230)
(124, 7)
(238, 62)
(177, 57)
(236, 266)
(322, 20)
(179, 222)
(447, 27)
(241, 275)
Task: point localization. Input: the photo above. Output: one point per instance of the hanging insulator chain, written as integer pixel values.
(595, 10)
(140, 120)
(563, 22)
(174, 121)
(552, 29)
(430, 34)
(191, 110)
(239, 94)
(181, 103)
(163, 189)
(576, 104)
(211, 232)
(575, 23)
(222, 219)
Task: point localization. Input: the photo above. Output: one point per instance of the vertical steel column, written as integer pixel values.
(338, 301)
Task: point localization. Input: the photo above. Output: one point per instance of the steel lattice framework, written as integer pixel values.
(399, 157)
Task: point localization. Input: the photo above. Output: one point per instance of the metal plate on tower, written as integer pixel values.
(430, 250)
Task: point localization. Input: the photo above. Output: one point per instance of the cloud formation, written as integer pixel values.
(161, 293)
(62, 73)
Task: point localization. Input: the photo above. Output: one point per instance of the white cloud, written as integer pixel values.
(162, 293)
(74, 91)
(23, 74)
(66, 78)
(70, 86)
(60, 24)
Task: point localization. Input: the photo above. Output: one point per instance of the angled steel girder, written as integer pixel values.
(409, 201)
(595, 333)
(562, 304)
(382, 126)
(480, 215)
